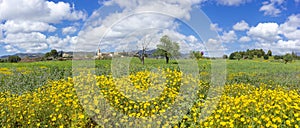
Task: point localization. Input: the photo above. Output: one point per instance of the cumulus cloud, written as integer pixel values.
(61, 43)
(265, 32)
(290, 28)
(244, 39)
(241, 26)
(280, 38)
(272, 7)
(30, 42)
(69, 30)
(117, 27)
(1, 33)
(178, 8)
(232, 2)
(39, 10)
(16, 26)
(281, 47)
(10, 48)
(229, 37)
(215, 27)
(24, 24)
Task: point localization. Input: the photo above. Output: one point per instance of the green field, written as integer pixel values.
(33, 87)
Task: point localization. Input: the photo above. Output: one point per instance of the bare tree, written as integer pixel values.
(144, 47)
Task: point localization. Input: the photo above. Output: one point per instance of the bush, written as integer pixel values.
(14, 59)
(266, 57)
(277, 57)
(288, 58)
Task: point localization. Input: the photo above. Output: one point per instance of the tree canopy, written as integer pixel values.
(167, 48)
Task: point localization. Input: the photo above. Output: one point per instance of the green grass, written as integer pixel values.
(255, 72)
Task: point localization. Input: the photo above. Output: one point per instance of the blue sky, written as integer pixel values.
(80, 24)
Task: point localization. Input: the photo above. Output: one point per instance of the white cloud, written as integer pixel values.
(241, 26)
(232, 2)
(177, 8)
(1, 33)
(265, 32)
(281, 38)
(215, 27)
(10, 48)
(116, 33)
(61, 44)
(244, 39)
(214, 47)
(69, 30)
(229, 37)
(16, 26)
(290, 28)
(272, 7)
(280, 47)
(30, 42)
(25, 22)
(38, 10)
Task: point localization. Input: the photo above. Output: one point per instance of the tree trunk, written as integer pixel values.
(167, 58)
(143, 59)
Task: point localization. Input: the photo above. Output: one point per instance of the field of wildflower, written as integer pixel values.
(46, 94)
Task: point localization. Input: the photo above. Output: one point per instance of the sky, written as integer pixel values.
(32, 26)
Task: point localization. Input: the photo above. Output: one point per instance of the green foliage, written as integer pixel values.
(231, 56)
(269, 53)
(14, 59)
(225, 57)
(266, 57)
(53, 53)
(277, 57)
(250, 56)
(238, 56)
(167, 48)
(196, 54)
(288, 58)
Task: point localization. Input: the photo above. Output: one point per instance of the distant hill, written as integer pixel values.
(23, 55)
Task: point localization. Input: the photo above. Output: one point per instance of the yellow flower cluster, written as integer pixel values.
(256, 107)
(54, 105)
(5, 71)
(77, 102)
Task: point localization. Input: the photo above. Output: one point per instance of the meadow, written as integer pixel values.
(257, 93)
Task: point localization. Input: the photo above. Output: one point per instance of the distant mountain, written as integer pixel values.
(149, 52)
(23, 55)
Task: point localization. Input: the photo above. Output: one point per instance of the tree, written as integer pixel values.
(167, 48)
(225, 57)
(238, 56)
(196, 54)
(231, 56)
(47, 55)
(144, 45)
(266, 57)
(14, 59)
(269, 53)
(54, 53)
(258, 55)
(287, 58)
(250, 56)
(277, 57)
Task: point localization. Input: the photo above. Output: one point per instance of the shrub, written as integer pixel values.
(14, 59)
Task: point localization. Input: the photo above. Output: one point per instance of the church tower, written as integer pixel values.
(99, 54)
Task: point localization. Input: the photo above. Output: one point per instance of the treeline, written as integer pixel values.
(250, 54)
(51, 55)
(259, 53)
(11, 59)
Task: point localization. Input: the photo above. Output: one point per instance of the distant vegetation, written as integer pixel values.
(259, 53)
